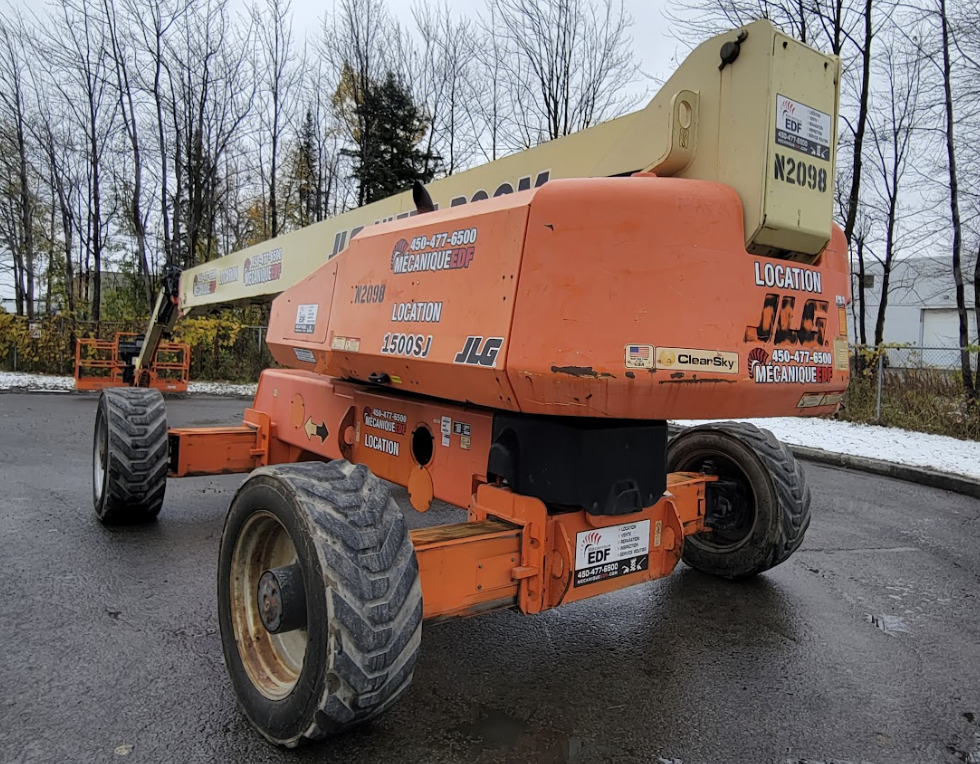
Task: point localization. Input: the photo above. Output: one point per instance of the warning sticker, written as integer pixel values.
(304, 355)
(842, 359)
(604, 553)
(801, 128)
(306, 318)
(349, 344)
(446, 427)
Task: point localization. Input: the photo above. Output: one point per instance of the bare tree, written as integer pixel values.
(64, 181)
(80, 72)
(18, 201)
(211, 87)
(120, 51)
(942, 59)
(968, 48)
(445, 84)
(326, 144)
(155, 22)
(280, 79)
(488, 110)
(859, 308)
(893, 126)
(567, 63)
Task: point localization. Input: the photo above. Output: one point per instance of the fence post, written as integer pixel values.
(15, 357)
(881, 376)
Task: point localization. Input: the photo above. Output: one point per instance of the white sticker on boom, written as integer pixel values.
(802, 128)
(604, 553)
(306, 318)
(304, 355)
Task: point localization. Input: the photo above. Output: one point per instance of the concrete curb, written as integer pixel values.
(918, 475)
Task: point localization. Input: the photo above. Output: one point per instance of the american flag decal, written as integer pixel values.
(639, 356)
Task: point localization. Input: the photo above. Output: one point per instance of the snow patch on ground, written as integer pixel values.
(19, 381)
(890, 444)
(916, 449)
(222, 388)
(13, 380)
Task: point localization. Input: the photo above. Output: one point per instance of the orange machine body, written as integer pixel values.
(431, 348)
(628, 298)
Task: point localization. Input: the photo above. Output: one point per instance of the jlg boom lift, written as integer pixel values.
(516, 352)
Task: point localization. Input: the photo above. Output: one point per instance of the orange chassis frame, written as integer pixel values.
(511, 552)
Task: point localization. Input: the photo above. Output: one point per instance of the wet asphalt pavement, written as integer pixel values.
(864, 647)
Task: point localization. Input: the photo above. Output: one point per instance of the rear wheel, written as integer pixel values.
(130, 455)
(319, 599)
(759, 510)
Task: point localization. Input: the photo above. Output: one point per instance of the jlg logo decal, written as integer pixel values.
(479, 352)
(776, 324)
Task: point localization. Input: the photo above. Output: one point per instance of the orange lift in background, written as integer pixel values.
(109, 363)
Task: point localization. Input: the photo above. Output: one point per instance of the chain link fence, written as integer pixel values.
(911, 387)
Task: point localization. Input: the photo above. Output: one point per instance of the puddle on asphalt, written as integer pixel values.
(890, 624)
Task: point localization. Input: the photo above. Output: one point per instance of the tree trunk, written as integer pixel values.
(27, 218)
(976, 311)
(862, 292)
(862, 120)
(969, 387)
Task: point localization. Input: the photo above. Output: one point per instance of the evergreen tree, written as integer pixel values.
(387, 159)
(306, 173)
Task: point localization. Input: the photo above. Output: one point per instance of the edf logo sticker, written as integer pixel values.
(789, 119)
(595, 554)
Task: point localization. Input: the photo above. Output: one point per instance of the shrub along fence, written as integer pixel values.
(910, 387)
(221, 349)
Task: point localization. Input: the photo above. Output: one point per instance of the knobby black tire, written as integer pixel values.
(134, 474)
(778, 482)
(364, 598)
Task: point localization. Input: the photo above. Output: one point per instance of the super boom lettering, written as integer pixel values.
(341, 238)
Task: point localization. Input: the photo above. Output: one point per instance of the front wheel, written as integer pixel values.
(319, 599)
(758, 511)
(130, 455)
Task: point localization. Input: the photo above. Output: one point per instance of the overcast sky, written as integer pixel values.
(654, 47)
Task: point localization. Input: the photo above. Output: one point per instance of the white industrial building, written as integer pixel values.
(921, 307)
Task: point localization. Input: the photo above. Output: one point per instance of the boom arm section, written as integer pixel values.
(162, 321)
(753, 109)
